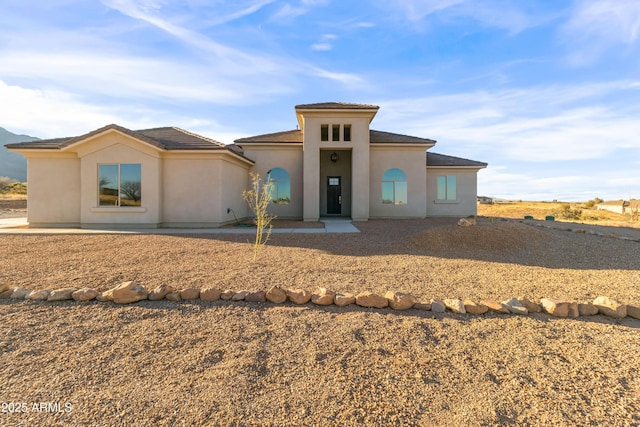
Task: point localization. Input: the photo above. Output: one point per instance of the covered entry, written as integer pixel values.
(335, 183)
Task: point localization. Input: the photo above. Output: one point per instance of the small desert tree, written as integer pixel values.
(258, 198)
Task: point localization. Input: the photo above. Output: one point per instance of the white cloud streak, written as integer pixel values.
(539, 124)
(595, 27)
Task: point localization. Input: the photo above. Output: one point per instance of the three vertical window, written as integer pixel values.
(120, 184)
(447, 187)
(394, 187)
(336, 134)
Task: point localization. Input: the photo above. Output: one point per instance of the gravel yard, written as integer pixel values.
(192, 363)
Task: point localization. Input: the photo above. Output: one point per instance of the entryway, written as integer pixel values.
(335, 183)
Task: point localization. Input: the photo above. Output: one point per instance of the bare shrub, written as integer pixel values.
(258, 198)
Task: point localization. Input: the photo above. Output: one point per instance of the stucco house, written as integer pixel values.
(626, 207)
(332, 165)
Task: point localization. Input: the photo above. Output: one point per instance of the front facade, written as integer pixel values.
(333, 165)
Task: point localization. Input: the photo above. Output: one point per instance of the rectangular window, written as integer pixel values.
(324, 132)
(447, 188)
(120, 185)
(346, 132)
(335, 132)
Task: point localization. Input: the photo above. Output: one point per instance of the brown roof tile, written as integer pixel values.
(166, 138)
(288, 136)
(296, 136)
(435, 159)
(379, 137)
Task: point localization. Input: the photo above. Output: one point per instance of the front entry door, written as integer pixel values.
(334, 195)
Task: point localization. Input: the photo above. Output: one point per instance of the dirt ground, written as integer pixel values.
(223, 363)
(11, 207)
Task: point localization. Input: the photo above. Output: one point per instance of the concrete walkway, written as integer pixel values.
(19, 226)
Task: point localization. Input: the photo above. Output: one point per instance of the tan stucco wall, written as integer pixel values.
(235, 179)
(289, 158)
(467, 189)
(53, 197)
(411, 160)
(198, 189)
(114, 148)
(359, 146)
(191, 191)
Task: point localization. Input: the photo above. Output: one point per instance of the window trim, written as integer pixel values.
(275, 186)
(346, 136)
(119, 204)
(324, 132)
(395, 183)
(446, 198)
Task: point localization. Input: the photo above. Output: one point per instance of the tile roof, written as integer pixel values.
(296, 136)
(379, 137)
(288, 136)
(336, 106)
(166, 138)
(435, 159)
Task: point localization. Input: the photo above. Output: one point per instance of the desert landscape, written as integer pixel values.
(242, 363)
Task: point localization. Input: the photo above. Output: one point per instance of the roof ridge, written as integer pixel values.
(195, 135)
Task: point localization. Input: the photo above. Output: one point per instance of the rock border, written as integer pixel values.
(131, 292)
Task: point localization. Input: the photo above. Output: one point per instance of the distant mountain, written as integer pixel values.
(13, 165)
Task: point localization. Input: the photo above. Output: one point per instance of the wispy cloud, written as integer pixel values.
(513, 16)
(227, 60)
(596, 26)
(325, 43)
(539, 124)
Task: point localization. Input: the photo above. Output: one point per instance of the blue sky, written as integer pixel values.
(546, 92)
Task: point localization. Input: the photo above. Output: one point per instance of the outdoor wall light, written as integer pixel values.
(334, 157)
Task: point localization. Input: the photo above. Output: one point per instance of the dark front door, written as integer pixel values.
(334, 195)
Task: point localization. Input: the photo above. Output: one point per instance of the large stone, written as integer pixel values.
(424, 306)
(239, 296)
(299, 296)
(468, 221)
(515, 306)
(39, 295)
(173, 296)
(473, 308)
(438, 306)
(84, 294)
(560, 308)
(633, 311)
(400, 300)
(276, 295)
(322, 296)
(6, 293)
(455, 305)
(190, 293)
(371, 300)
(61, 294)
(342, 300)
(531, 306)
(610, 307)
(227, 294)
(210, 294)
(128, 292)
(587, 309)
(495, 306)
(19, 293)
(256, 296)
(160, 292)
(105, 296)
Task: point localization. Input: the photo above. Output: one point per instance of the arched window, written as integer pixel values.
(394, 187)
(279, 178)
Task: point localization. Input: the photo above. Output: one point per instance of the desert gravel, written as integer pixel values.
(224, 363)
